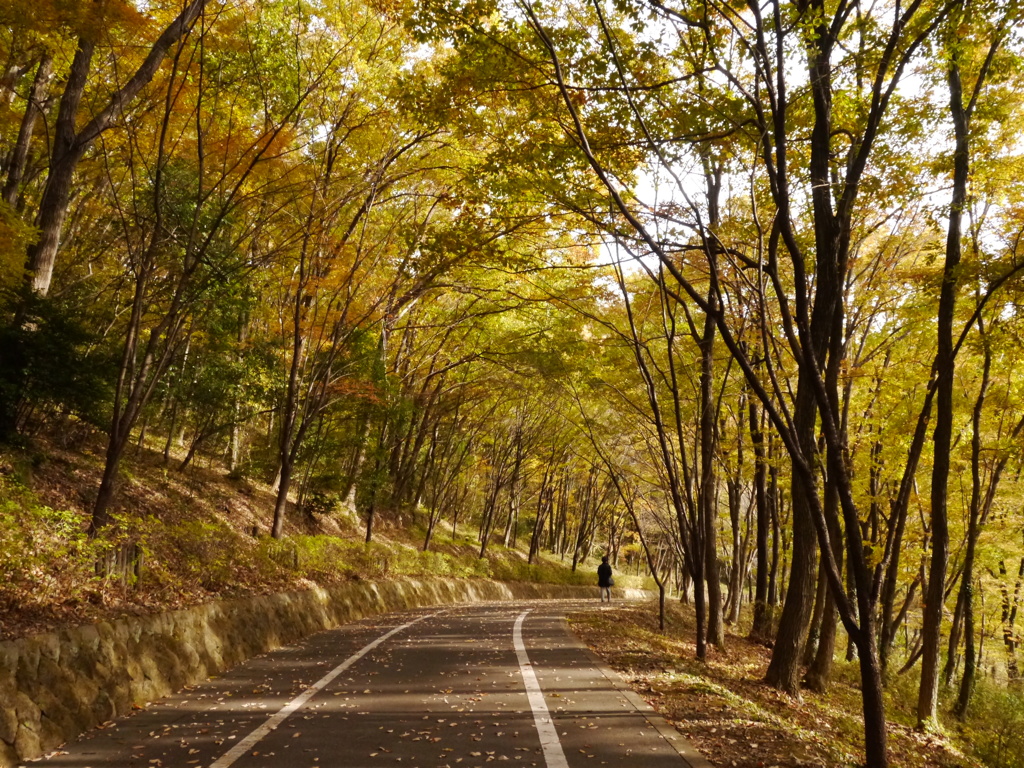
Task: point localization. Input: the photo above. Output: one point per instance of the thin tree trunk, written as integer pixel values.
(979, 512)
(820, 669)
(953, 642)
(735, 598)
(774, 513)
(544, 499)
(487, 520)
(928, 697)
(289, 417)
(875, 731)
(817, 613)
(820, 664)
(34, 108)
(761, 631)
(1009, 621)
(281, 499)
(708, 483)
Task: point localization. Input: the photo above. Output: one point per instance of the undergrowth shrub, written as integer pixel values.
(513, 569)
(49, 361)
(198, 553)
(46, 556)
(995, 725)
(326, 559)
(901, 691)
(50, 566)
(209, 555)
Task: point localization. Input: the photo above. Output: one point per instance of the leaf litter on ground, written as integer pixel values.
(725, 710)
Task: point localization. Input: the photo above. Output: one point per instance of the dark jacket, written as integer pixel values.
(604, 575)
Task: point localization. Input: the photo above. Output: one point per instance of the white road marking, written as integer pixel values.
(553, 754)
(281, 715)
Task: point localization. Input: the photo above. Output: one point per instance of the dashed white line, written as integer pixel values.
(282, 714)
(554, 756)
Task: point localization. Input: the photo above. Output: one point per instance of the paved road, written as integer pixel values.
(458, 687)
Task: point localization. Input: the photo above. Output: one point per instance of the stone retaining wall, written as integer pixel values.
(55, 686)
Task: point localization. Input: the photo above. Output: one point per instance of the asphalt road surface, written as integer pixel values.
(458, 687)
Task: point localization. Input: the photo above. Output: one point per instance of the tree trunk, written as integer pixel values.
(64, 158)
(873, 701)
(817, 614)
(774, 512)
(370, 513)
(784, 667)
(286, 446)
(735, 598)
(820, 664)
(953, 642)
(928, 697)
(761, 631)
(1009, 621)
(544, 500)
(69, 146)
(708, 482)
(963, 700)
(700, 607)
(979, 512)
(235, 439)
(281, 499)
(820, 668)
(105, 495)
(487, 520)
(431, 524)
(513, 493)
(34, 108)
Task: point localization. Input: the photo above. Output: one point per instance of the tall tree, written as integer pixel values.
(70, 143)
(960, 110)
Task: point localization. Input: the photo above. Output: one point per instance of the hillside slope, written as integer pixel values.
(183, 538)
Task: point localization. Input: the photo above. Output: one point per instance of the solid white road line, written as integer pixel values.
(276, 719)
(553, 754)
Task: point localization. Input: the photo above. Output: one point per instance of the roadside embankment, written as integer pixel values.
(57, 685)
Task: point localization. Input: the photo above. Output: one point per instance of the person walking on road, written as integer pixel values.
(604, 580)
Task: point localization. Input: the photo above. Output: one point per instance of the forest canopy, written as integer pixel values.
(735, 288)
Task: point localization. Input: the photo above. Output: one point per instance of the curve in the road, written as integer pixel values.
(458, 688)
